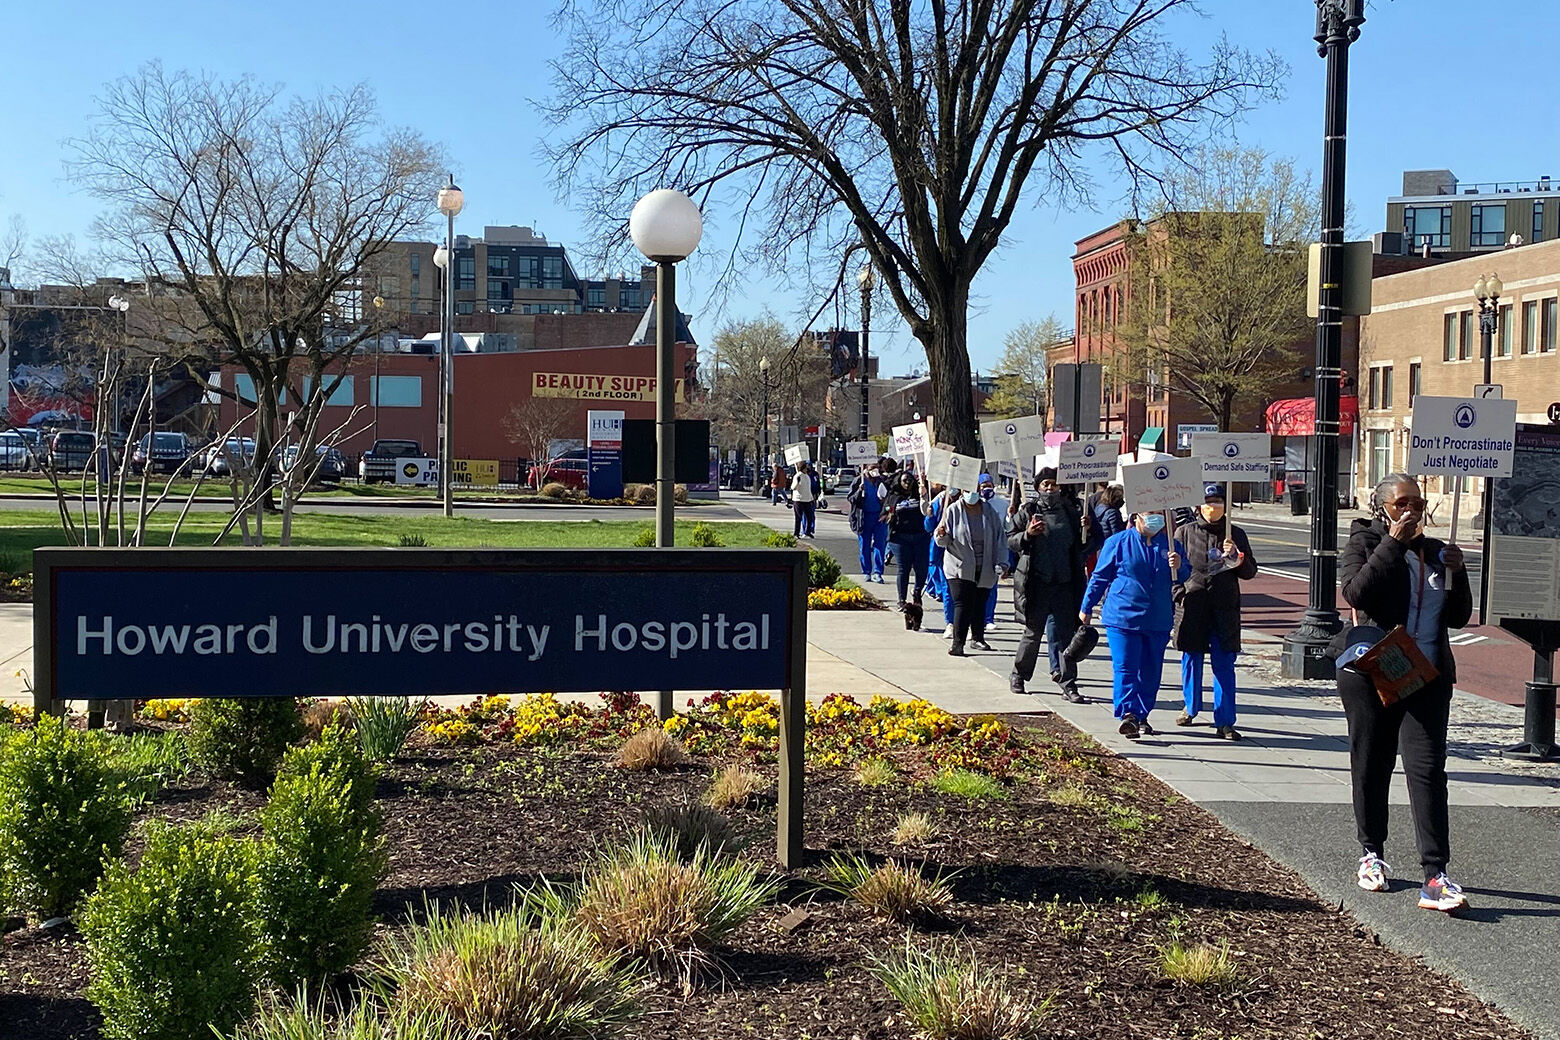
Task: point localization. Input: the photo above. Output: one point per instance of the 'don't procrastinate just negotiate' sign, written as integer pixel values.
(1462, 436)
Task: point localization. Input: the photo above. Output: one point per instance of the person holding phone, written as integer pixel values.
(1047, 537)
(1138, 568)
(1207, 610)
(1393, 575)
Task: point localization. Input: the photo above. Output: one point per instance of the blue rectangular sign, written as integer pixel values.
(408, 622)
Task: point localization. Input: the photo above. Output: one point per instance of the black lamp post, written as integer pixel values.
(1487, 291)
(759, 479)
(1337, 26)
(865, 278)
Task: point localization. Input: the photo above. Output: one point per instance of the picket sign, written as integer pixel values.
(860, 453)
(953, 470)
(912, 441)
(1084, 462)
(1163, 485)
(1013, 438)
(797, 452)
(1228, 457)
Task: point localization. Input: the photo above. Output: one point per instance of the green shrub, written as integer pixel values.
(65, 809)
(689, 827)
(706, 537)
(553, 489)
(645, 539)
(780, 540)
(383, 724)
(893, 890)
(150, 761)
(640, 494)
(1201, 964)
(174, 945)
(243, 739)
(508, 976)
(822, 571)
(412, 541)
(322, 856)
(966, 783)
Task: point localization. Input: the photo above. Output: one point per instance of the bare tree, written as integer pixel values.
(913, 130)
(798, 380)
(1021, 371)
(534, 423)
(1219, 270)
(264, 217)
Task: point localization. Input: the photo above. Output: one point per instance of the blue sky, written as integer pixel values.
(1432, 87)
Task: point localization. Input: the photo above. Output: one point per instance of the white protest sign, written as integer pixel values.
(860, 453)
(1163, 485)
(1085, 462)
(797, 452)
(1462, 437)
(1013, 438)
(1227, 457)
(951, 469)
(911, 441)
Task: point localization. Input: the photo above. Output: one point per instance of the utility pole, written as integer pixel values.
(1337, 26)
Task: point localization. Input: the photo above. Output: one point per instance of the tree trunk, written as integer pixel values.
(945, 339)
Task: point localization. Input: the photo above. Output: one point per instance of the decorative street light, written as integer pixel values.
(451, 200)
(666, 226)
(763, 378)
(1337, 26)
(1487, 291)
(866, 278)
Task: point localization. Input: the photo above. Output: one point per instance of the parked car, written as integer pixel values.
(217, 460)
(571, 470)
(165, 452)
(15, 452)
(70, 451)
(37, 446)
(378, 463)
(332, 468)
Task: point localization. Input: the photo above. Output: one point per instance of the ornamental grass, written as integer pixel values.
(893, 890)
(947, 995)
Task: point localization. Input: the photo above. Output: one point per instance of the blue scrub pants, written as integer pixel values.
(1223, 682)
(873, 541)
(1139, 659)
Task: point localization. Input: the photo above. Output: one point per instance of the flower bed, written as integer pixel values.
(840, 599)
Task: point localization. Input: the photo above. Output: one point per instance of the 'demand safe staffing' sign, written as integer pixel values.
(591, 387)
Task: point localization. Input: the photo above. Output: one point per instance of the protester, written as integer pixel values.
(988, 491)
(1393, 575)
(867, 519)
(779, 486)
(1137, 567)
(804, 495)
(1047, 538)
(1207, 615)
(934, 498)
(973, 534)
(908, 535)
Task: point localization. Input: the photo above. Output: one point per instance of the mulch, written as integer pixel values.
(1048, 885)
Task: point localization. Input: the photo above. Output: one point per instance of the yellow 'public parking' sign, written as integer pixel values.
(480, 472)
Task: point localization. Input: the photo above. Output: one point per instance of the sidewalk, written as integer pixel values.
(1286, 788)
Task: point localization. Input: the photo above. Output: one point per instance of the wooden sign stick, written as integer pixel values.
(1456, 502)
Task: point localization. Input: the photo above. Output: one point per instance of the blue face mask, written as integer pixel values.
(1155, 523)
(972, 498)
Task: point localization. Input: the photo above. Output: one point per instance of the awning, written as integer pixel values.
(1153, 438)
(1296, 416)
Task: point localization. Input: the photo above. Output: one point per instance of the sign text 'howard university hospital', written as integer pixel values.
(303, 623)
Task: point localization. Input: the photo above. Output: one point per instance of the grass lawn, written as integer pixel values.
(21, 531)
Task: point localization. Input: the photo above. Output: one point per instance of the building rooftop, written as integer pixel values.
(1443, 184)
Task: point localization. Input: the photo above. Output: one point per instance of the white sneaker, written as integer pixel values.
(1372, 876)
(948, 632)
(991, 626)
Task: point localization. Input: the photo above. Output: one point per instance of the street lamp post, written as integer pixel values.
(451, 201)
(763, 378)
(1337, 26)
(1487, 291)
(866, 278)
(666, 226)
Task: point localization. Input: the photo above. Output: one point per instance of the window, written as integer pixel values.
(244, 387)
(629, 296)
(1538, 221)
(416, 262)
(1503, 339)
(390, 287)
(595, 297)
(465, 307)
(552, 272)
(497, 289)
(1489, 225)
(398, 391)
(1530, 327)
(1428, 225)
(1546, 339)
(341, 395)
(466, 272)
(1380, 387)
(1380, 455)
(1466, 323)
(498, 266)
(1413, 382)
(416, 292)
(1449, 338)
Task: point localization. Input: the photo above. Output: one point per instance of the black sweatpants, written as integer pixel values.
(969, 610)
(1049, 612)
(1416, 729)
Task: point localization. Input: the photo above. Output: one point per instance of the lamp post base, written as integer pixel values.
(1304, 653)
(1534, 752)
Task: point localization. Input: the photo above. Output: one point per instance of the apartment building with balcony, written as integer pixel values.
(1440, 214)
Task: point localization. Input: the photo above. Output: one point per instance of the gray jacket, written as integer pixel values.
(957, 524)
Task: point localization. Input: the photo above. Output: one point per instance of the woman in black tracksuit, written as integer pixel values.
(1393, 575)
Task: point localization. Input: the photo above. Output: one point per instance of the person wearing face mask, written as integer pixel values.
(1047, 537)
(911, 541)
(988, 491)
(974, 538)
(1207, 610)
(1138, 568)
(1393, 575)
(1106, 513)
(868, 500)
